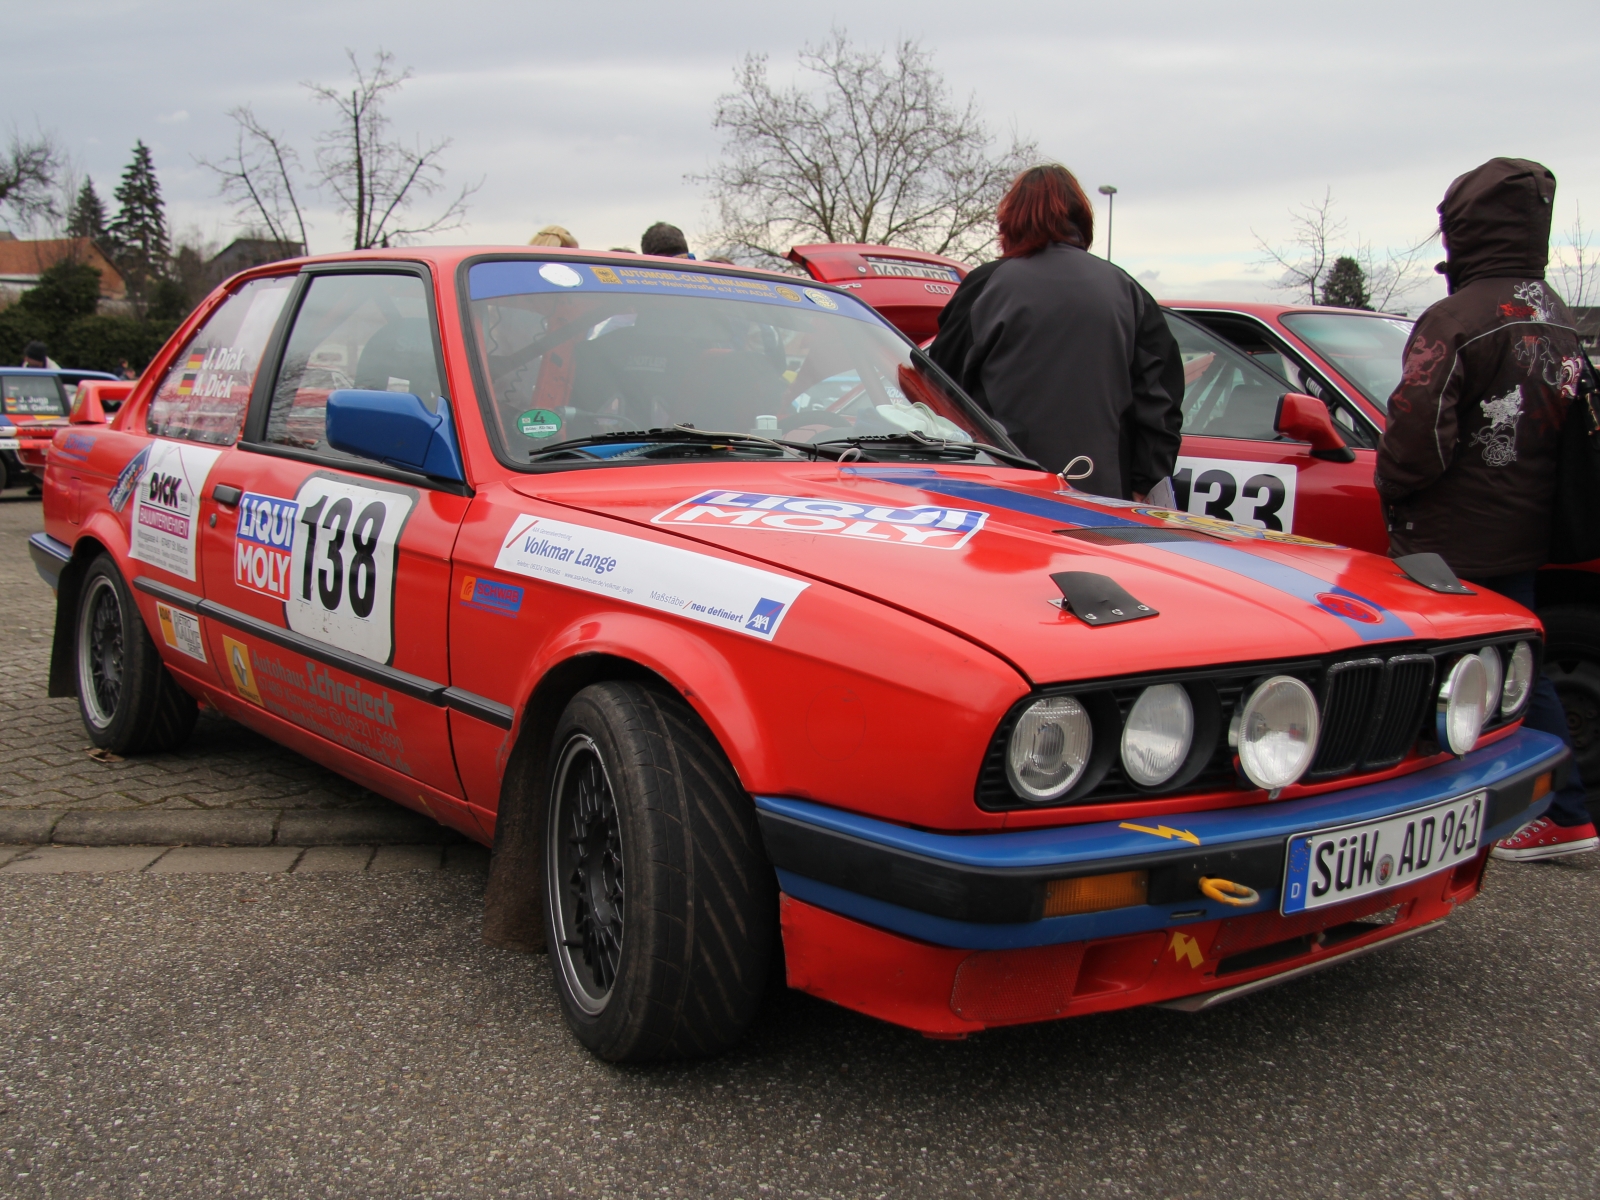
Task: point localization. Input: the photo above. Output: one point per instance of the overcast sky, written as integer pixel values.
(1212, 119)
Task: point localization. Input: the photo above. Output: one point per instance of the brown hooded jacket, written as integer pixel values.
(1467, 465)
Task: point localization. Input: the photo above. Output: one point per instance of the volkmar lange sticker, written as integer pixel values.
(697, 586)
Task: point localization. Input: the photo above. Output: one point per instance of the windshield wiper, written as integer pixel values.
(677, 435)
(940, 446)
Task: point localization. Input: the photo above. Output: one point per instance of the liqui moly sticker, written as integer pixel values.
(697, 586)
(926, 525)
(263, 544)
(166, 506)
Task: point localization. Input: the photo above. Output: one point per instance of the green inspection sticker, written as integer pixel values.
(538, 423)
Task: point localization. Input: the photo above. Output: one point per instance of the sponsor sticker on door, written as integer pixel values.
(1229, 489)
(700, 587)
(263, 544)
(166, 505)
(181, 631)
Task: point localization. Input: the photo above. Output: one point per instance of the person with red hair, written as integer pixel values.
(1066, 350)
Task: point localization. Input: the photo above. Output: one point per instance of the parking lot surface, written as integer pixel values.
(286, 1022)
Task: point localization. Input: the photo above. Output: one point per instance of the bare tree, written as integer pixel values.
(259, 177)
(377, 180)
(1575, 266)
(28, 171)
(1397, 274)
(1314, 233)
(876, 152)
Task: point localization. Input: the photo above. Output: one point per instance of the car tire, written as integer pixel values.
(129, 702)
(660, 905)
(1572, 662)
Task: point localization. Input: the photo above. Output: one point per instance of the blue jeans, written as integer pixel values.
(1570, 806)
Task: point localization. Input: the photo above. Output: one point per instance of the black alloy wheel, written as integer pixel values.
(129, 702)
(660, 905)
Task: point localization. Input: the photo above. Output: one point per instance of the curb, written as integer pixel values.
(224, 827)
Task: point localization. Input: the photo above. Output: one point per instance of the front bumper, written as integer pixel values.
(941, 932)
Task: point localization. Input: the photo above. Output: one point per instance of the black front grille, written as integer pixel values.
(1372, 711)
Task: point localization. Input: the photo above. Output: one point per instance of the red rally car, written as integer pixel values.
(746, 639)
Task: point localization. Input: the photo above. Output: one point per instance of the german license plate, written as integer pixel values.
(1330, 866)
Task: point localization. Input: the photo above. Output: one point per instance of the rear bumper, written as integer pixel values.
(942, 932)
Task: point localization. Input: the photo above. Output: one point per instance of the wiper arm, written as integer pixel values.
(679, 434)
(938, 445)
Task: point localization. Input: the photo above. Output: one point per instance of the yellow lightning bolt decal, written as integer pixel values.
(1163, 831)
(1185, 947)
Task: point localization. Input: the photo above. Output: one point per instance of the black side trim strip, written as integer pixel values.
(49, 557)
(481, 707)
(418, 688)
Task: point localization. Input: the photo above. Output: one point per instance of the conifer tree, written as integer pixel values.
(138, 233)
(1346, 285)
(88, 216)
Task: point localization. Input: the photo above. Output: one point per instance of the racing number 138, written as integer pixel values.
(343, 567)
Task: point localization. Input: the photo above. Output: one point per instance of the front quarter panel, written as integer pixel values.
(851, 703)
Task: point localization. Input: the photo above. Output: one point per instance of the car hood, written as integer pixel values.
(973, 551)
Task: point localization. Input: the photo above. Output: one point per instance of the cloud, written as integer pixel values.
(175, 118)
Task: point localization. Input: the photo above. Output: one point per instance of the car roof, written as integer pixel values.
(51, 371)
(449, 257)
(1256, 308)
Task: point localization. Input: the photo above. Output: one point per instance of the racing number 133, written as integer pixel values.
(343, 568)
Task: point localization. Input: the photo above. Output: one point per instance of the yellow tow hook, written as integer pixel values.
(1225, 891)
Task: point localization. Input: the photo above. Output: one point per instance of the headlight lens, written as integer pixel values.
(1491, 681)
(1156, 738)
(1461, 704)
(1519, 680)
(1277, 732)
(1049, 747)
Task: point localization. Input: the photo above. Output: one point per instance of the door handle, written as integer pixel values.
(226, 495)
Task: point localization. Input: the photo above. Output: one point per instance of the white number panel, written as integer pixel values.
(342, 567)
(1232, 489)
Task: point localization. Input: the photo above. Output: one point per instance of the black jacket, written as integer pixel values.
(1073, 357)
(1467, 465)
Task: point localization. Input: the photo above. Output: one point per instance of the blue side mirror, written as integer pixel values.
(397, 429)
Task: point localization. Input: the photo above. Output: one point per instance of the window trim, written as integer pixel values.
(253, 440)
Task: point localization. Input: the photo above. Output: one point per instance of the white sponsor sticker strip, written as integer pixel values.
(1237, 490)
(706, 589)
(181, 631)
(166, 505)
(928, 525)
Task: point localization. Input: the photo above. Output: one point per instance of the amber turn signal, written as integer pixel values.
(1095, 893)
(1542, 786)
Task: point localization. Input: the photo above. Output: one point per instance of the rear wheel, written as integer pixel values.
(660, 905)
(1572, 662)
(128, 701)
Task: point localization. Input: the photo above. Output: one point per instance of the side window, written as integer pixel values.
(33, 396)
(352, 331)
(205, 394)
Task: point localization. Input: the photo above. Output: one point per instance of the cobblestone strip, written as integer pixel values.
(252, 860)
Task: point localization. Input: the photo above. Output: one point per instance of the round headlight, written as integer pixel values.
(1491, 682)
(1519, 680)
(1276, 733)
(1156, 738)
(1461, 704)
(1049, 747)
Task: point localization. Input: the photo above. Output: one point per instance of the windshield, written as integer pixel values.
(33, 396)
(1366, 350)
(1225, 392)
(579, 355)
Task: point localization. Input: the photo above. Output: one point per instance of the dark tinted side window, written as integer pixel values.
(352, 331)
(33, 396)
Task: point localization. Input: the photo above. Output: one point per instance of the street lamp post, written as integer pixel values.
(1110, 193)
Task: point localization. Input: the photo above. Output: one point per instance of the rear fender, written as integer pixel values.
(102, 534)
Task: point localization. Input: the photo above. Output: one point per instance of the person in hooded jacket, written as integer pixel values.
(1467, 465)
(1064, 349)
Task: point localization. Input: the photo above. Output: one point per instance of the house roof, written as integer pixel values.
(23, 262)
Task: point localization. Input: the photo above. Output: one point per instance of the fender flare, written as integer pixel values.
(103, 534)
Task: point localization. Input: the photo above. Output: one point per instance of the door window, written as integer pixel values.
(1225, 394)
(205, 394)
(352, 331)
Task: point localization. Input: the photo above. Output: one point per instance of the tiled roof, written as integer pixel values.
(21, 260)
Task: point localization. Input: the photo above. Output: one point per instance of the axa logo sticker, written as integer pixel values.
(487, 595)
(263, 544)
(926, 525)
(1348, 607)
(764, 617)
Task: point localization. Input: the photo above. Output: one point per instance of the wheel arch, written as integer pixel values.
(69, 585)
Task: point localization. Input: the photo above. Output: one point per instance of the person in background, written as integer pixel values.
(36, 356)
(554, 235)
(1066, 350)
(1467, 465)
(126, 372)
(664, 240)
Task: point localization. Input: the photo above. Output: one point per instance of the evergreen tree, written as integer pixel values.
(65, 291)
(1346, 285)
(88, 216)
(138, 233)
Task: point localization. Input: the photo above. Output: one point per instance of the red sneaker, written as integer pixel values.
(1545, 839)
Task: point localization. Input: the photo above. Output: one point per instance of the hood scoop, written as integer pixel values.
(1099, 599)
